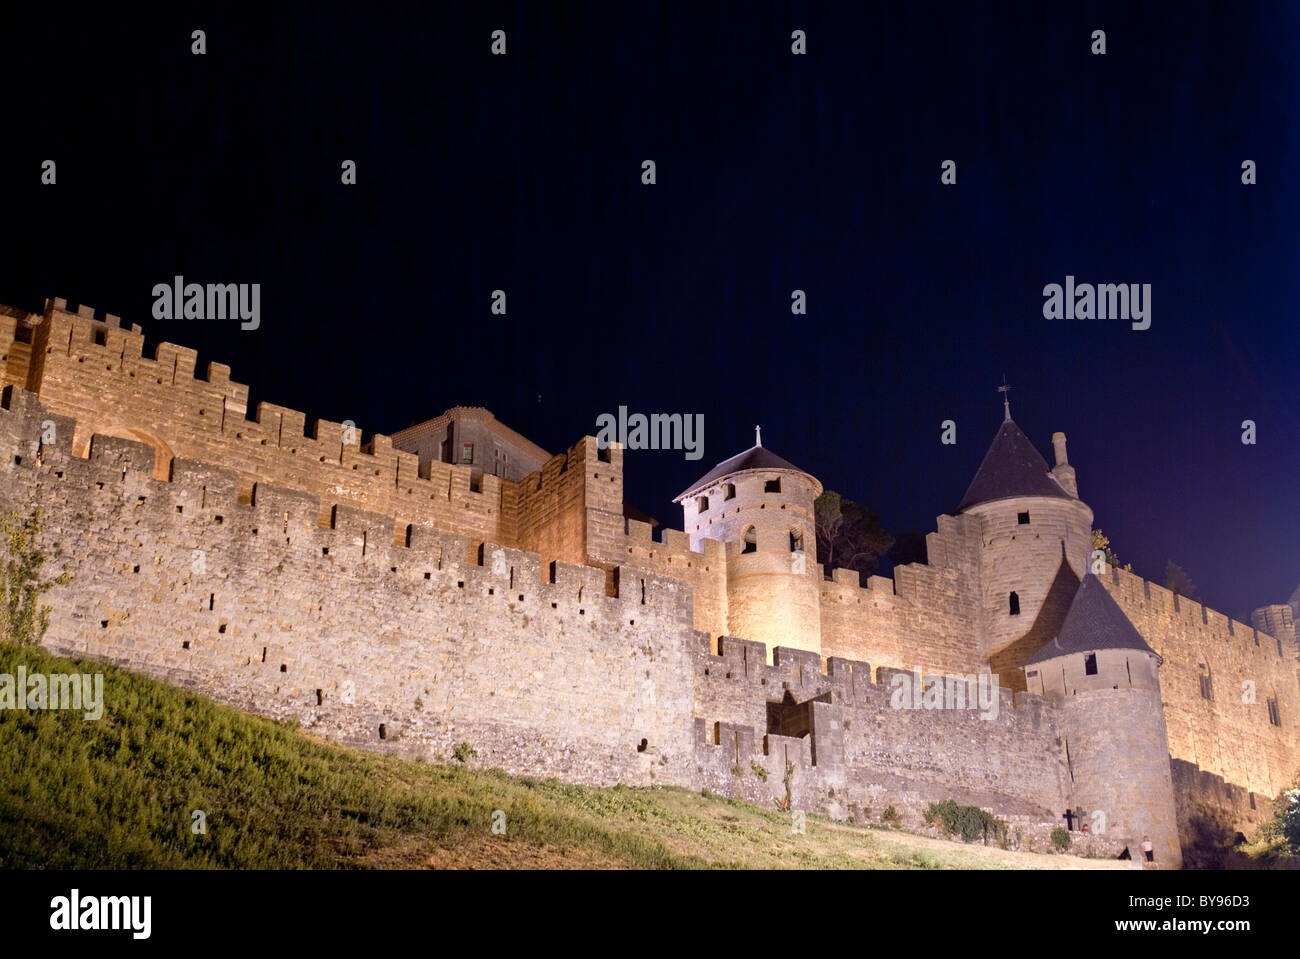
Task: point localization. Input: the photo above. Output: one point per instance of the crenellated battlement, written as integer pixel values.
(1135, 593)
(392, 600)
(94, 373)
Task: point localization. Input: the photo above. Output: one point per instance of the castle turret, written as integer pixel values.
(761, 507)
(1103, 677)
(1036, 537)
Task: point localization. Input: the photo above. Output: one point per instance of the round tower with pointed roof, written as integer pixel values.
(761, 507)
(1036, 539)
(1103, 677)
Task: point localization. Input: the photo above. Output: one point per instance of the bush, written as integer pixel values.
(970, 822)
(463, 752)
(890, 817)
(1060, 839)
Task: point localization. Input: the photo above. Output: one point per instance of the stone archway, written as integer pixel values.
(162, 452)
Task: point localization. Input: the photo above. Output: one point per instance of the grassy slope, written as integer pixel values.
(118, 793)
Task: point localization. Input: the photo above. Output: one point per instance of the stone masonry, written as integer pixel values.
(406, 602)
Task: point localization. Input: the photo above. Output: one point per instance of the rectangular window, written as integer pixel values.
(467, 454)
(1022, 519)
(772, 486)
(1090, 664)
(1273, 716)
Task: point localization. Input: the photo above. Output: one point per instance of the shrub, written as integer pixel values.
(463, 752)
(759, 771)
(890, 817)
(970, 822)
(1060, 839)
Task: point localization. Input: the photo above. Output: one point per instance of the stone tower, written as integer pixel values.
(761, 507)
(1103, 676)
(1036, 537)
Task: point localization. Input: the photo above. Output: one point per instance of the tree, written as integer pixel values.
(1102, 542)
(23, 619)
(1280, 835)
(849, 536)
(1176, 579)
(909, 547)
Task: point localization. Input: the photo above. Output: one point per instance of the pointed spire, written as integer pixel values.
(758, 436)
(1006, 399)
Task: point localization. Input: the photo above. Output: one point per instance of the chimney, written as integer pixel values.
(1064, 472)
(1058, 444)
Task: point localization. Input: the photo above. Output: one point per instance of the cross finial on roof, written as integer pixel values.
(758, 436)
(1006, 398)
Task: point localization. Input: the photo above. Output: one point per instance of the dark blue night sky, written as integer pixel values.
(775, 173)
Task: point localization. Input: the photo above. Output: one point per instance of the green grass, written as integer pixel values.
(118, 793)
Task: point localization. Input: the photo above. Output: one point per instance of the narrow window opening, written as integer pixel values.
(751, 541)
(1090, 664)
(1014, 603)
(772, 486)
(1022, 519)
(701, 504)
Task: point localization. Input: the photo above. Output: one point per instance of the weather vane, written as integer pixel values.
(1006, 397)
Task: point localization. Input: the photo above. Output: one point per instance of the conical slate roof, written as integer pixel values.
(1011, 467)
(754, 458)
(1094, 621)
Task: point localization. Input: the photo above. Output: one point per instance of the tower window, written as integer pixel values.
(751, 541)
(1273, 716)
(729, 491)
(1207, 684)
(467, 454)
(701, 503)
(796, 540)
(1090, 664)
(1015, 605)
(1022, 519)
(772, 486)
